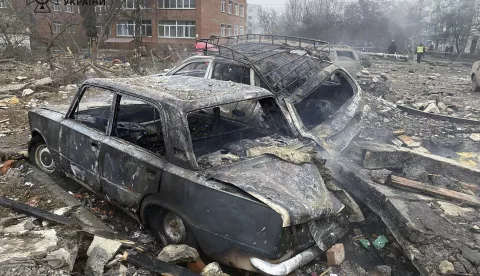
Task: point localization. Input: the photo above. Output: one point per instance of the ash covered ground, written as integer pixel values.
(446, 86)
(440, 89)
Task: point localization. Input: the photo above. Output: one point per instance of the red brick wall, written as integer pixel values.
(212, 17)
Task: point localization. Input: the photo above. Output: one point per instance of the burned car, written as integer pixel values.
(322, 100)
(207, 163)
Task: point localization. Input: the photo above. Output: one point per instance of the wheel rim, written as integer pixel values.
(44, 159)
(173, 229)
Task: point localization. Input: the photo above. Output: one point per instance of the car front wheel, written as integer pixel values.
(40, 155)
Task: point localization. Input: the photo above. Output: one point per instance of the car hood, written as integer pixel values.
(296, 192)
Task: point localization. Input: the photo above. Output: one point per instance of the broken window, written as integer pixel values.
(235, 73)
(146, 28)
(345, 55)
(194, 69)
(139, 123)
(94, 107)
(213, 129)
(324, 101)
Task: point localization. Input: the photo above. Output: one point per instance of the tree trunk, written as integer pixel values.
(49, 57)
(94, 51)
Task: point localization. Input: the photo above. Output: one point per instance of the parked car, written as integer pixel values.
(475, 76)
(319, 97)
(178, 154)
(347, 58)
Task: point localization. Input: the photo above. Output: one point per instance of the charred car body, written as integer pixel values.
(201, 162)
(319, 97)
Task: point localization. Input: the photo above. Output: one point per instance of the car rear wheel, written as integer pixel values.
(40, 155)
(168, 228)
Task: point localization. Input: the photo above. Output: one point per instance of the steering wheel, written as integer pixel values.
(105, 119)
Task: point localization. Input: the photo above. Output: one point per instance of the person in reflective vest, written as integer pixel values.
(420, 52)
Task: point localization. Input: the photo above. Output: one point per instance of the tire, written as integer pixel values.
(168, 228)
(39, 155)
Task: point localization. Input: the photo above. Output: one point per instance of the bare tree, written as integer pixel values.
(103, 16)
(457, 20)
(269, 19)
(54, 27)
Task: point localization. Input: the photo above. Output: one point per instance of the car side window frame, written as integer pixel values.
(114, 118)
(191, 62)
(78, 97)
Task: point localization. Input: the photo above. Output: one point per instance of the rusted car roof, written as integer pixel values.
(183, 92)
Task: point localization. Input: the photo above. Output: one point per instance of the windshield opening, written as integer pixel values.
(322, 104)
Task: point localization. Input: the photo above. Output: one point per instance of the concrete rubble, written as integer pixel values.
(438, 234)
(413, 217)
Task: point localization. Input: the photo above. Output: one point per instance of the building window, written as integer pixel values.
(223, 28)
(180, 29)
(235, 30)
(224, 3)
(230, 6)
(55, 4)
(146, 28)
(237, 9)
(72, 29)
(101, 9)
(229, 30)
(126, 28)
(3, 5)
(242, 30)
(57, 27)
(69, 8)
(242, 10)
(131, 4)
(100, 28)
(176, 4)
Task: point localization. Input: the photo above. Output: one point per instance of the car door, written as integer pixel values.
(82, 134)
(132, 159)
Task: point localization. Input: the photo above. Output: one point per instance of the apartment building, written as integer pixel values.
(162, 21)
(180, 21)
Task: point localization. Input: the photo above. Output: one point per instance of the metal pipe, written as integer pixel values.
(288, 266)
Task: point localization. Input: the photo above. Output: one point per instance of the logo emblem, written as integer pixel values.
(41, 6)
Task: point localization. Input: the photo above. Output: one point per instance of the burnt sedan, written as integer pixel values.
(321, 99)
(207, 163)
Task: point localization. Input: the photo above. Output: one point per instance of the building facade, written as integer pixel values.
(161, 21)
(181, 21)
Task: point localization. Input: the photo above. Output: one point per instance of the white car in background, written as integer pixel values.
(347, 58)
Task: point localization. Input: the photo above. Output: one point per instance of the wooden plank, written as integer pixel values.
(433, 191)
(34, 212)
(154, 265)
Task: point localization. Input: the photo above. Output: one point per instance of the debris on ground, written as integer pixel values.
(177, 254)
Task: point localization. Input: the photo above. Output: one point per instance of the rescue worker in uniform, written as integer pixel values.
(420, 52)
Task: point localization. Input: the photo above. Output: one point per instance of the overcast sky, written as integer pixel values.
(270, 3)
